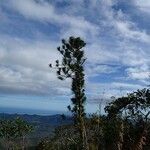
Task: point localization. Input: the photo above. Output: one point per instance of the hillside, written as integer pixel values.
(43, 125)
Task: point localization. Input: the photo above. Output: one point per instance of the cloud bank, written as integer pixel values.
(117, 48)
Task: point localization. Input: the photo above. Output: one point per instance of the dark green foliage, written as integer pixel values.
(65, 138)
(14, 130)
(134, 106)
(22, 127)
(135, 110)
(72, 67)
(102, 133)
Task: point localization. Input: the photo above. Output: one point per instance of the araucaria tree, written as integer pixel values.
(72, 66)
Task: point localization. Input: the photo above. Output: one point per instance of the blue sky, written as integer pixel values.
(117, 34)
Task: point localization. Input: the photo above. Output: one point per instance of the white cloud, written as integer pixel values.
(97, 53)
(24, 67)
(143, 5)
(95, 69)
(111, 38)
(104, 91)
(140, 73)
(121, 23)
(127, 86)
(43, 11)
(128, 30)
(134, 56)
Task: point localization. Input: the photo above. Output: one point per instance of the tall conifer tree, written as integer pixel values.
(72, 66)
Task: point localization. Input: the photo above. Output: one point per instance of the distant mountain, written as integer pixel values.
(52, 120)
(13, 110)
(43, 125)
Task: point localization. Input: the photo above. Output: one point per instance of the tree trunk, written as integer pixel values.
(141, 141)
(80, 112)
(120, 142)
(23, 143)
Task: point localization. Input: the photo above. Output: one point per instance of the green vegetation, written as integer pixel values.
(13, 133)
(72, 67)
(126, 125)
(134, 111)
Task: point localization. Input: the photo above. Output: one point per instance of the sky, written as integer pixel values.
(117, 36)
